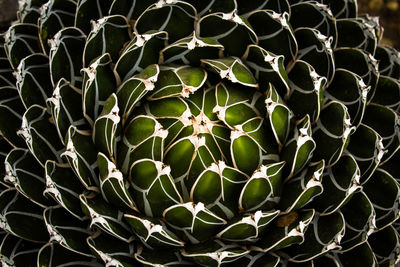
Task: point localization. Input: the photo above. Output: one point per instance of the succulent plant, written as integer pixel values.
(213, 133)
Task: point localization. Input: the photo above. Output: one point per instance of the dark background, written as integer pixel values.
(8, 9)
(389, 17)
(387, 10)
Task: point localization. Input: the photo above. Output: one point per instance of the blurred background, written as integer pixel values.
(8, 9)
(387, 10)
(389, 17)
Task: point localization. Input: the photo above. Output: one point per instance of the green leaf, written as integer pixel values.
(168, 256)
(178, 81)
(21, 40)
(153, 186)
(55, 15)
(307, 90)
(233, 32)
(64, 186)
(316, 49)
(112, 251)
(5, 148)
(387, 93)
(342, 8)
(169, 108)
(18, 252)
(354, 96)
(249, 228)
(153, 232)
(287, 230)
(246, 153)
(66, 108)
(246, 7)
(232, 69)
(24, 172)
(81, 155)
(236, 104)
(356, 33)
(113, 185)
(268, 69)
(105, 217)
(18, 214)
(385, 245)
(361, 255)
(215, 253)
(218, 187)
(339, 183)
(214, 6)
(140, 53)
(7, 79)
(389, 61)
(12, 110)
(98, 84)
(323, 236)
(263, 189)
(29, 11)
(279, 115)
(188, 157)
(65, 56)
(386, 123)
(362, 64)
(326, 260)
(134, 89)
(40, 135)
(384, 193)
(367, 148)
(301, 190)
(254, 258)
(318, 17)
(164, 16)
(190, 50)
(258, 130)
(278, 38)
(99, 41)
(131, 9)
(53, 254)
(195, 222)
(298, 150)
(332, 132)
(90, 10)
(33, 80)
(359, 215)
(67, 230)
(107, 130)
(143, 138)
(391, 165)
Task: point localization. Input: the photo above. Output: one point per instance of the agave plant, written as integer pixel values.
(213, 133)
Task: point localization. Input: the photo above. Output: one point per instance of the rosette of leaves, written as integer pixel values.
(171, 132)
